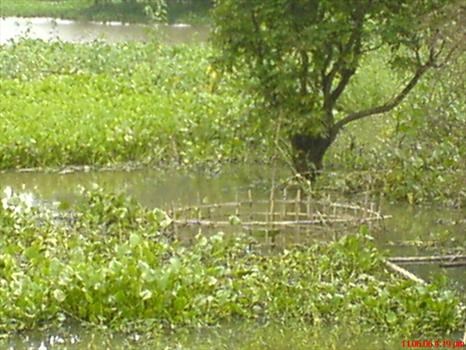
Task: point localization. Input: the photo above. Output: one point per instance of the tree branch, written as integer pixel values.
(259, 49)
(387, 106)
(346, 71)
(304, 72)
(346, 75)
(325, 78)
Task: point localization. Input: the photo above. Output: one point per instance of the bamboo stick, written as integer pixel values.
(199, 211)
(251, 215)
(426, 259)
(175, 227)
(297, 204)
(285, 195)
(405, 273)
(280, 201)
(308, 205)
(298, 210)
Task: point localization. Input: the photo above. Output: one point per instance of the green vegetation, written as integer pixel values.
(193, 12)
(414, 153)
(304, 55)
(108, 261)
(98, 104)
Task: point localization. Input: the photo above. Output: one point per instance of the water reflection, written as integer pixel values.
(87, 31)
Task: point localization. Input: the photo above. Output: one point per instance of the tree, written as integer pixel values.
(303, 54)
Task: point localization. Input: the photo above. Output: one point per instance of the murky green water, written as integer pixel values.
(403, 234)
(233, 336)
(87, 31)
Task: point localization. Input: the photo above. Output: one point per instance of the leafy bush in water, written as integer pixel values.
(417, 152)
(113, 262)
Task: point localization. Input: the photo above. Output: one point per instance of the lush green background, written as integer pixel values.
(417, 151)
(99, 104)
(193, 12)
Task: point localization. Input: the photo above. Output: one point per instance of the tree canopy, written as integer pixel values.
(304, 53)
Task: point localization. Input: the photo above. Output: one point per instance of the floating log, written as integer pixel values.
(405, 273)
(426, 259)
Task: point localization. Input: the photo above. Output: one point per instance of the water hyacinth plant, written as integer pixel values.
(118, 264)
(102, 104)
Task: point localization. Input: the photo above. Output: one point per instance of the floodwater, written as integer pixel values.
(247, 336)
(166, 188)
(400, 236)
(50, 29)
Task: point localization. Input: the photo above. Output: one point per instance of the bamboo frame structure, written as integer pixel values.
(298, 213)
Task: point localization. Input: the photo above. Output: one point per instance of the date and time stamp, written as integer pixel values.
(433, 344)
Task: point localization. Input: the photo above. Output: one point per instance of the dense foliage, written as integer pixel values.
(414, 153)
(304, 54)
(64, 104)
(109, 261)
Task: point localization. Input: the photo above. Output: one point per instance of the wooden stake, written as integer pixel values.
(251, 216)
(238, 204)
(272, 204)
(285, 197)
(175, 226)
(297, 204)
(308, 206)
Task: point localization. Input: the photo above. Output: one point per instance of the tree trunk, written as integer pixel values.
(308, 153)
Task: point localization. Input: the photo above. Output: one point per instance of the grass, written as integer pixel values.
(129, 12)
(43, 8)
